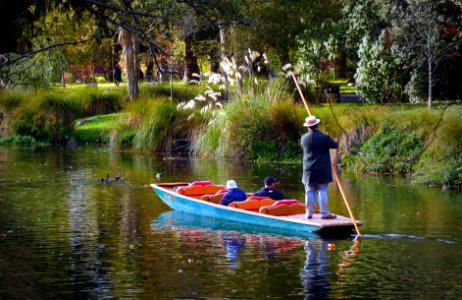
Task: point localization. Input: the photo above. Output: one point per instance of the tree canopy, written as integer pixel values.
(397, 50)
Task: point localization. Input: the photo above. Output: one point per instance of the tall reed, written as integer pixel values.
(154, 120)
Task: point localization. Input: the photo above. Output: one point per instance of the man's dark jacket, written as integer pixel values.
(270, 192)
(316, 157)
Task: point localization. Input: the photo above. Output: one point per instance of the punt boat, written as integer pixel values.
(195, 198)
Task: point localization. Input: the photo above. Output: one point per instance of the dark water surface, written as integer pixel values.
(65, 235)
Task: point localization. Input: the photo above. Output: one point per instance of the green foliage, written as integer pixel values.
(40, 71)
(18, 140)
(376, 79)
(443, 173)
(181, 91)
(125, 139)
(97, 129)
(390, 151)
(209, 141)
(258, 125)
(48, 118)
(96, 101)
(156, 119)
(441, 163)
(13, 98)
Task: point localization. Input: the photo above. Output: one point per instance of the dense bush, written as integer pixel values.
(18, 140)
(389, 151)
(48, 117)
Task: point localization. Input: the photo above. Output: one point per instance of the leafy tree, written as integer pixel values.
(423, 40)
(376, 74)
(316, 52)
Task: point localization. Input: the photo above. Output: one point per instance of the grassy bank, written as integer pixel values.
(262, 123)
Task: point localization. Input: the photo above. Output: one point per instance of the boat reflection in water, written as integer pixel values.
(235, 237)
(177, 218)
(240, 241)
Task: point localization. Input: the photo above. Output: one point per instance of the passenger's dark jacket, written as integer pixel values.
(269, 192)
(316, 157)
(233, 195)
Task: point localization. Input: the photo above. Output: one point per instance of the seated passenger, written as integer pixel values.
(269, 190)
(233, 194)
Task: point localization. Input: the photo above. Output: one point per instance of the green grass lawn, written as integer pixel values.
(97, 129)
(343, 85)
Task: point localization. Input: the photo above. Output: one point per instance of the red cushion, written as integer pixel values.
(286, 202)
(258, 198)
(201, 183)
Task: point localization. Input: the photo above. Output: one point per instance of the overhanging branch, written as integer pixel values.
(14, 60)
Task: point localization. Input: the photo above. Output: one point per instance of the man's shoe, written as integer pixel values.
(309, 217)
(329, 217)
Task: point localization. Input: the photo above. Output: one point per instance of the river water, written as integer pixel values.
(66, 235)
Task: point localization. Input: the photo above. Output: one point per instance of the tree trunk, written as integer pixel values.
(190, 63)
(129, 54)
(430, 83)
(214, 61)
(236, 65)
(341, 65)
(223, 56)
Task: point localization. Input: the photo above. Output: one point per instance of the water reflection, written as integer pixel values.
(235, 237)
(315, 270)
(233, 242)
(64, 235)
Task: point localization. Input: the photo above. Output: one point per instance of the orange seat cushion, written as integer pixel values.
(215, 198)
(252, 203)
(213, 189)
(284, 208)
(191, 190)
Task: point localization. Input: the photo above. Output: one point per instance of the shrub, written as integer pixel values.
(13, 98)
(96, 101)
(48, 118)
(18, 140)
(389, 151)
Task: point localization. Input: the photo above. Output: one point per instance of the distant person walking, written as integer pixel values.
(117, 75)
(317, 171)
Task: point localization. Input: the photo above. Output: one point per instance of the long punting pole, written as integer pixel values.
(334, 171)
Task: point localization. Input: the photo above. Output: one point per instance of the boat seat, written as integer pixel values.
(253, 203)
(214, 189)
(199, 190)
(216, 197)
(284, 208)
(200, 183)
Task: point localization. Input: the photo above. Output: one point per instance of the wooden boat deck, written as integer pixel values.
(317, 220)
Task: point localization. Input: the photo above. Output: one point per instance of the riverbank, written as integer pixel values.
(264, 124)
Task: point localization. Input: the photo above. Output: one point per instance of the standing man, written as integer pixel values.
(317, 171)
